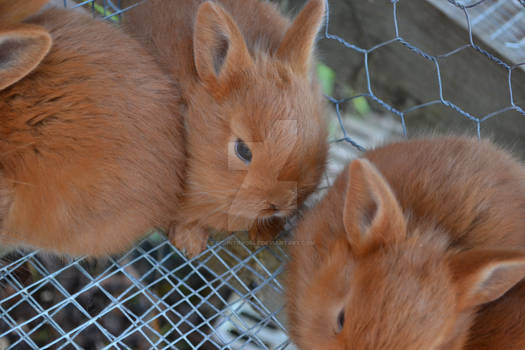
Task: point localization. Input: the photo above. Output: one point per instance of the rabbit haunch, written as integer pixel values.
(91, 139)
(413, 248)
(246, 75)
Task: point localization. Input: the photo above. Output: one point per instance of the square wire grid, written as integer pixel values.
(151, 297)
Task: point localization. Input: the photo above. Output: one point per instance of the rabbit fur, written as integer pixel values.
(245, 72)
(91, 138)
(414, 247)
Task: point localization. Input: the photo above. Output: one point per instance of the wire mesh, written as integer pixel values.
(229, 297)
(463, 6)
(151, 297)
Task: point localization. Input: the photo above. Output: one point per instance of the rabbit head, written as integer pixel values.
(382, 284)
(256, 135)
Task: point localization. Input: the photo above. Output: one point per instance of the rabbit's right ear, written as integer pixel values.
(218, 46)
(298, 43)
(483, 275)
(14, 11)
(372, 215)
(21, 51)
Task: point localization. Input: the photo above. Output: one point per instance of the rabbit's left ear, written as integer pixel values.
(298, 43)
(218, 46)
(372, 215)
(21, 51)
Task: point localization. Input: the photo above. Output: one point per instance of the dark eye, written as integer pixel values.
(340, 320)
(242, 151)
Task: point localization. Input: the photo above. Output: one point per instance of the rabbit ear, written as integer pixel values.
(218, 46)
(482, 276)
(14, 11)
(298, 43)
(372, 216)
(21, 50)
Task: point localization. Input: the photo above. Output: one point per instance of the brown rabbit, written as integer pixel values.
(407, 246)
(91, 141)
(256, 138)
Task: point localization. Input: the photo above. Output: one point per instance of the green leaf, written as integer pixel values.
(100, 9)
(361, 105)
(326, 78)
(156, 237)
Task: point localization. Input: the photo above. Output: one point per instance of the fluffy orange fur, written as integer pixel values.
(13, 11)
(245, 72)
(413, 248)
(91, 138)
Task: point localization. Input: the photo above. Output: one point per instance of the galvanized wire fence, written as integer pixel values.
(151, 297)
(229, 297)
(463, 6)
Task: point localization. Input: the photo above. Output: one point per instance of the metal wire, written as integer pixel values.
(230, 297)
(162, 299)
(435, 59)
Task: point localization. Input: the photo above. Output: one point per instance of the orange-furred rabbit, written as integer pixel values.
(256, 136)
(91, 136)
(408, 245)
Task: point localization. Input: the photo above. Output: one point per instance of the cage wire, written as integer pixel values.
(152, 297)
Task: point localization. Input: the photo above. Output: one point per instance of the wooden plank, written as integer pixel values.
(499, 24)
(404, 79)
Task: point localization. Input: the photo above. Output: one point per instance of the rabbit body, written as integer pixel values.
(245, 73)
(91, 139)
(408, 245)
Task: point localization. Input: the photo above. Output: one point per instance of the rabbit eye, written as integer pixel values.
(242, 151)
(340, 320)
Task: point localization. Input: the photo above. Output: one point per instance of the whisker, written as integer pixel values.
(212, 192)
(20, 182)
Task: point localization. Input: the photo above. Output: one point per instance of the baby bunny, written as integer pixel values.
(407, 246)
(256, 137)
(91, 142)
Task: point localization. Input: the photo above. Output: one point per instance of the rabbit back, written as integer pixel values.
(92, 147)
